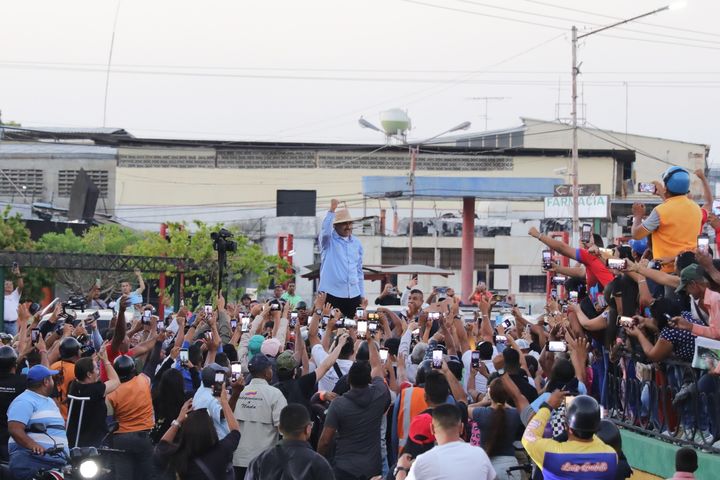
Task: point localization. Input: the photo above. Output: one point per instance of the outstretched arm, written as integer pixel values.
(561, 247)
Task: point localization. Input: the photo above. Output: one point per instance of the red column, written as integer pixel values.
(468, 247)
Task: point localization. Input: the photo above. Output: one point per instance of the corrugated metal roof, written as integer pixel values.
(80, 130)
(18, 150)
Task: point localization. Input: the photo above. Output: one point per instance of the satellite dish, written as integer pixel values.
(395, 123)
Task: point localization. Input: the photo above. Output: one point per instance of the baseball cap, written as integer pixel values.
(271, 347)
(39, 372)
(259, 363)
(255, 344)
(286, 361)
(208, 373)
(691, 273)
(420, 436)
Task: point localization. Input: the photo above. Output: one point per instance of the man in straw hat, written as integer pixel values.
(341, 272)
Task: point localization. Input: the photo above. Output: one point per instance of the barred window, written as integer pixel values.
(532, 283)
(15, 181)
(66, 178)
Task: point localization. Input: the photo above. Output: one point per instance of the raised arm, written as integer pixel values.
(327, 364)
(327, 225)
(120, 326)
(561, 247)
(141, 282)
(375, 363)
(707, 191)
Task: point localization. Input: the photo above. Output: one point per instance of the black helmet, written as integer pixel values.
(423, 369)
(125, 367)
(609, 433)
(8, 358)
(69, 348)
(301, 305)
(583, 415)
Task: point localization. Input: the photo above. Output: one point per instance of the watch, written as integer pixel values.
(175, 424)
(318, 311)
(399, 469)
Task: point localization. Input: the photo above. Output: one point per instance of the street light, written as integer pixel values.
(575, 73)
(414, 148)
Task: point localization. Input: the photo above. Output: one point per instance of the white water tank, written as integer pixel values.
(395, 122)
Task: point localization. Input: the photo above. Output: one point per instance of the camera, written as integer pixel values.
(222, 241)
(74, 302)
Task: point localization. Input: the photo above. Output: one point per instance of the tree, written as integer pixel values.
(14, 235)
(201, 273)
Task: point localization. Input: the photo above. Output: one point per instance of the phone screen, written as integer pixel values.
(703, 243)
(546, 255)
(233, 324)
(208, 309)
(616, 263)
(557, 346)
(383, 354)
(35, 335)
(362, 327)
(146, 316)
(475, 359)
(183, 355)
(245, 324)
(359, 313)
(573, 296)
(437, 358)
(219, 381)
(586, 233)
(236, 370)
(626, 321)
(645, 187)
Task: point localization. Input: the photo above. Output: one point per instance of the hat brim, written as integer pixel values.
(681, 287)
(345, 220)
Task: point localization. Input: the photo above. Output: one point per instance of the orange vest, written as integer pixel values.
(680, 223)
(132, 405)
(412, 402)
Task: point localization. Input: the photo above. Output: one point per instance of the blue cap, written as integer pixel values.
(40, 372)
(259, 363)
(676, 180)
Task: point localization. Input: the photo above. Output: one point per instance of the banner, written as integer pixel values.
(593, 206)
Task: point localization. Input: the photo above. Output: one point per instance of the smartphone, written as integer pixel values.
(645, 187)
(34, 335)
(208, 336)
(416, 333)
(703, 243)
(233, 324)
(146, 316)
(245, 324)
(546, 259)
(437, 358)
(434, 315)
(572, 296)
(617, 263)
(359, 313)
(475, 359)
(372, 327)
(626, 321)
(349, 323)
(383, 354)
(586, 233)
(184, 356)
(500, 338)
(558, 280)
(507, 323)
(235, 370)
(293, 320)
(325, 321)
(362, 327)
(208, 309)
(218, 384)
(557, 346)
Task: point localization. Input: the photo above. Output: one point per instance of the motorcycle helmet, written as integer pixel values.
(583, 416)
(69, 348)
(676, 180)
(8, 358)
(125, 367)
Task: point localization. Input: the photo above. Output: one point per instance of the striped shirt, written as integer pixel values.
(30, 407)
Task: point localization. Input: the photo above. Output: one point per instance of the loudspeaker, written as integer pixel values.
(296, 203)
(83, 198)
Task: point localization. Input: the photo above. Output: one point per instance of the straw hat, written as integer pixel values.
(343, 215)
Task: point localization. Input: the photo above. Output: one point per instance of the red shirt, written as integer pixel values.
(112, 355)
(595, 269)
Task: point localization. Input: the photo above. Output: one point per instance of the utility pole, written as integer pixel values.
(411, 180)
(574, 164)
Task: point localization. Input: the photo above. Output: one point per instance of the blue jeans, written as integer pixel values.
(24, 465)
(10, 328)
(709, 391)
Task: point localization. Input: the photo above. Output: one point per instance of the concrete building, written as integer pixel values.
(145, 182)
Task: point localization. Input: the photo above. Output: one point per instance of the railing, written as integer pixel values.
(671, 401)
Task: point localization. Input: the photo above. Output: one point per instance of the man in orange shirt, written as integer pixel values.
(131, 404)
(69, 354)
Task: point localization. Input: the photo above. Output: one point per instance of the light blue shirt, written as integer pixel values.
(30, 407)
(204, 399)
(341, 273)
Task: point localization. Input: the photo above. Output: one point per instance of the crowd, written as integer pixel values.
(332, 387)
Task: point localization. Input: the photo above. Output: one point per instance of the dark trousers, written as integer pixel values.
(346, 305)
(347, 476)
(137, 461)
(240, 472)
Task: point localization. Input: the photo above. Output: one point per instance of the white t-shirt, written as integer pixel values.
(328, 381)
(480, 381)
(452, 461)
(12, 302)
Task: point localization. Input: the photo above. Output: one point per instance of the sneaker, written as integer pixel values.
(703, 437)
(716, 445)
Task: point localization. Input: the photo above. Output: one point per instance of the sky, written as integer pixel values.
(296, 71)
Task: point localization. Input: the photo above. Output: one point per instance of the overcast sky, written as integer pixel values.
(293, 70)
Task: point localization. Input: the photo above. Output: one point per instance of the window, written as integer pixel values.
(18, 182)
(399, 256)
(66, 178)
(450, 258)
(532, 283)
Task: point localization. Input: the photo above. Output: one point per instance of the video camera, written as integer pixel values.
(222, 241)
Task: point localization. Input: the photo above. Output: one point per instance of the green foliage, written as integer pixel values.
(13, 233)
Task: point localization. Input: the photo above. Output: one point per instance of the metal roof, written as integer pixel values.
(35, 150)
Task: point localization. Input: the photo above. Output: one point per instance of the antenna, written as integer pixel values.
(487, 100)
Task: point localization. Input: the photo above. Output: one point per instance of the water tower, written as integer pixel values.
(395, 124)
